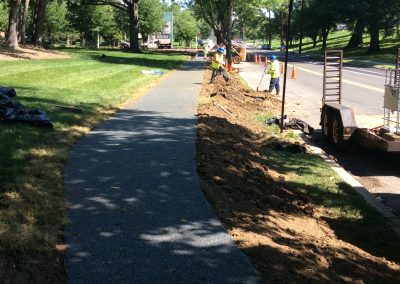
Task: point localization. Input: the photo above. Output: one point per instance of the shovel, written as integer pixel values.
(262, 77)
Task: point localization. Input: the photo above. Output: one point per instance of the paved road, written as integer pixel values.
(363, 91)
(136, 209)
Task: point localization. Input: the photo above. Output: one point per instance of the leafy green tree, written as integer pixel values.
(185, 27)
(56, 23)
(3, 16)
(131, 7)
(92, 21)
(151, 17)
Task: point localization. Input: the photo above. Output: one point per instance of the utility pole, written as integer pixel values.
(286, 61)
(301, 26)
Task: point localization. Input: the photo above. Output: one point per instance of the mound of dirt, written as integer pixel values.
(277, 226)
(30, 52)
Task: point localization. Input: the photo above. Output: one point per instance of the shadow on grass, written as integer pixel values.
(250, 196)
(148, 62)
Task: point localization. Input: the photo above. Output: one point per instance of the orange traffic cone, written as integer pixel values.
(255, 58)
(231, 67)
(259, 59)
(294, 72)
(282, 67)
(266, 61)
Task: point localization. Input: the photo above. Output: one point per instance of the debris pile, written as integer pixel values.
(12, 111)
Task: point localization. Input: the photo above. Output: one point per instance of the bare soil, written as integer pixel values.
(29, 52)
(278, 227)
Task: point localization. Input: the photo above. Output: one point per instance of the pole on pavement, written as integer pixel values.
(286, 61)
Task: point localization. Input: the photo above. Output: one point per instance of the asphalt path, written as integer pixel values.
(363, 91)
(136, 211)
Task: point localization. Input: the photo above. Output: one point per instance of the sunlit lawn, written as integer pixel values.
(339, 39)
(32, 200)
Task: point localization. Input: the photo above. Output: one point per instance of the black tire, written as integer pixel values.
(326, 124)
(337, 131)
(237, 59)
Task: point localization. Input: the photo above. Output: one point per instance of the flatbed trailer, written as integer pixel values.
(338, 122)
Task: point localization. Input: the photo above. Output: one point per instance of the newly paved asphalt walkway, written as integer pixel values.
(137, 213)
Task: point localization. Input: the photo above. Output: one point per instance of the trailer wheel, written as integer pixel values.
(337, 131)
(326, 124)
(237, 59)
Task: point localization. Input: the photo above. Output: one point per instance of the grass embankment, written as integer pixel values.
(32, 201)
(385, 58)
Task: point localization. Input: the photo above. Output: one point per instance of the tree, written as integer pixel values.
(151, 17)
(380, 15)
(56, 23)
(3, 16)
(39, 22)
(12, 37)
(131, 7)
(218, 15)
(91, 21)
(24, 18)
(185, 26)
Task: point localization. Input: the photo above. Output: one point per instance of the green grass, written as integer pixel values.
(32, 200)
(345, 210)
(386, 58)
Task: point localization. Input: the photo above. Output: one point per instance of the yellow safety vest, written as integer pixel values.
(218, 57)
(274, 69)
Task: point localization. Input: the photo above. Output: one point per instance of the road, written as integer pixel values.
(363, 89)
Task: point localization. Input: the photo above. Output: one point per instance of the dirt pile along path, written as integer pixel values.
(278, 227)
(30, 52)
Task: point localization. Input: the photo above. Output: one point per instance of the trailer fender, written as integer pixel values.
(344, 117)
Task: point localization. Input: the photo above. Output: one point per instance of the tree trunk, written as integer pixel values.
(12, 36)
(357, 36)
(218, 35)
(22, 27)
(134, 26)
(374, 35)
(314, 40)
(82, 36)
(325, 34)
(98, 40)
(39, 23)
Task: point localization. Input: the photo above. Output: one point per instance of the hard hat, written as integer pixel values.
(221, 49)
(273, 57)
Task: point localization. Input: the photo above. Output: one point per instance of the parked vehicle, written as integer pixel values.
(338, 122)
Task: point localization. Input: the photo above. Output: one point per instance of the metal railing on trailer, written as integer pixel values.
(332, 84)
(391, 102)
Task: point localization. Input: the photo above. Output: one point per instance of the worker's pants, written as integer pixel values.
(274, 84)
(216, 72)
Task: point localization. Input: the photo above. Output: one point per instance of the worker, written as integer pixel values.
(274, 71)
(218, 65)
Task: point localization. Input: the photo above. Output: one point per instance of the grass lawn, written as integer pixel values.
(386, 58)
(32, 200)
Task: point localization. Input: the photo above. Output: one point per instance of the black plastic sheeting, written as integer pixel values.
(12, 111)
(294, 123)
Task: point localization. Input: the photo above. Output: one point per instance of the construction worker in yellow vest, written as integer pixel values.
(218, 65)
(274, 71)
